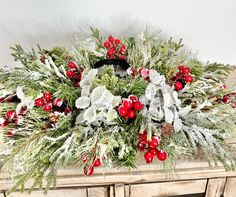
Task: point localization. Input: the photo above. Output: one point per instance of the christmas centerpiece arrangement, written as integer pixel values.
(106, 100)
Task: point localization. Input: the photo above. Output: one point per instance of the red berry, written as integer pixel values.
(153, 151)
(122, 57)
(140, 71)
(2, 100)
(70, 73)
(226, 99)
(173, 78)
(58, 102)
(11, 99)
(77, 84)
(133, 97)
(148, 156)
(223, 86)
(161, 155)
(178, 86)
(110, 52)
(72, 65)
(85, 158)
(88, 171)
(181, 67)
(23, 111)
(179, 75)
(186, 70)
(67, 110)
(131, 114)
(11, 133)
(111, 39)
(107, 45)
(233, 105)
(6, 123)
(97, 163)
(141, 145)
(127, 103)
(122, 111)
(39, 102)
(138, 105)
(131, 71)
(189, 78)
(143, 73)
(153, 143)
(47, 96)
(122, 49)
(143, 137)
(117, 41)
(11, 114)
(77, 76)
(47, 107)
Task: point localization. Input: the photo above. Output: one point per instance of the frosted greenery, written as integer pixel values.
(93, 128)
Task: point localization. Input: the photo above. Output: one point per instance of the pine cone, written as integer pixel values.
(42, 59)
(167, 129)
(54, 118)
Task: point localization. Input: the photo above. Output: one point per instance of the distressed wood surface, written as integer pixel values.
(98, 192)
(54, 193)
(230, 187)
(169, 189)
(215, 187)
(186, 170)
(119, 190)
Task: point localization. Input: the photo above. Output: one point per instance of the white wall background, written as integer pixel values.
(208, 27)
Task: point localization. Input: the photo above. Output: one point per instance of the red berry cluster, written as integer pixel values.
(143, 72)
(230, 99)
(129, 106)
(114, 48)
(182, 77)
(88, 170)
(151, 148)
(12, 118)
(47, 103)
(73, 73)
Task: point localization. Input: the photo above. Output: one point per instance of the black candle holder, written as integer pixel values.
(116, 62)
(120, 66)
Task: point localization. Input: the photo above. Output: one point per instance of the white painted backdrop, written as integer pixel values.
(208, 27)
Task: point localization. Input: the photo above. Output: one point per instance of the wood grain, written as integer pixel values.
(132, 177)
(230, 187)
(98, 192)
(168, 189)
(54, 193)
(215, 187)
(119, 190)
